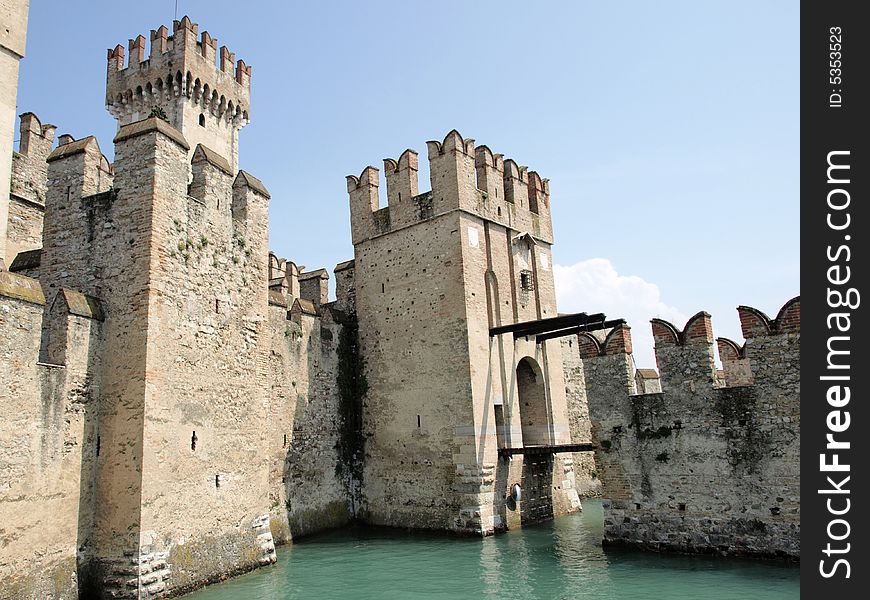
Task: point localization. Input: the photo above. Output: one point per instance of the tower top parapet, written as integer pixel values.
(462, 176)
(202, 91)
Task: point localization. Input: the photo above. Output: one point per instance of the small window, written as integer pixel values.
(202, 120)
(193, 439)
(527, 281)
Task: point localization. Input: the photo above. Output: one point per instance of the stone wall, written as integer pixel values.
(29, 186)
(345, 286)
(24, 227)
(585, 472)
(700, 468)
(305, 492)
(48, 443)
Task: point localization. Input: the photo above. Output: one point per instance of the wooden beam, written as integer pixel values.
(545, 325)
(554, 449)
(575, 330)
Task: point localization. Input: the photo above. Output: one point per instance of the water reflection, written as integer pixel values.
(553, 561)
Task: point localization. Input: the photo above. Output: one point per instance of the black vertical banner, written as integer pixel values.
(835, 224)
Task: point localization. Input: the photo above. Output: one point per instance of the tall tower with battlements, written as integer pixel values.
(13, 33)
(207, 100)
(437, 274)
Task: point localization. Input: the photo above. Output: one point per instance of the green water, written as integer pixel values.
(557, 560)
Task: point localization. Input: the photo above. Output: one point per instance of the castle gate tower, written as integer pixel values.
(437, 274)
(207, 102)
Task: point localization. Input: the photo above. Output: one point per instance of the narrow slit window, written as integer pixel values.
(193, 439)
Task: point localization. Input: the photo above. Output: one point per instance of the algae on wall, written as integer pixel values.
(352, 387)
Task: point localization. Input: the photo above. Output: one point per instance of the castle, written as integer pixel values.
(177, 400)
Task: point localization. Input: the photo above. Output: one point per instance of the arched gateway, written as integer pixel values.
(534, 415)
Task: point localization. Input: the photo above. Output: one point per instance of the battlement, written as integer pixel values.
(754, 323)
(703, 465)
(35, 138)
(188, 66)
(617, 341)
(218, 85)
(685, 356)
(462, 176)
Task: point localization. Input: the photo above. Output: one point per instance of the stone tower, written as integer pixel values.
(208, 102)
(434, 273)
(172, 243)
(13, 33)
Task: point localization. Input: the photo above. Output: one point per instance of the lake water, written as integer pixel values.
(561, 559)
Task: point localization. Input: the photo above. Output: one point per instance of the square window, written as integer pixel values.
(527, 280)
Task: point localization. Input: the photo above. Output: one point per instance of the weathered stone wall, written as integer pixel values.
(77, 226)
(13, 35)
(585, 472)
(24, 227)
(29, 185)
(412, 340)
(700, 468)
(345, 286)
(305, 492)
(48, 444)
(314, 286)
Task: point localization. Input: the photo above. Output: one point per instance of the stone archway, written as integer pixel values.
(534, 416)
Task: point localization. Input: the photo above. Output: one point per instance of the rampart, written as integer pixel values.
(701, 467)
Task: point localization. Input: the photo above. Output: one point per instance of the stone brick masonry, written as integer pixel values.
(701, 467)
(175, 400)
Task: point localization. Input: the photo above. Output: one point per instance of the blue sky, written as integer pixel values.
(669, 130)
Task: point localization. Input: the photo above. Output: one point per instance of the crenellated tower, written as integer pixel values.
(202, 92)
(436, 273)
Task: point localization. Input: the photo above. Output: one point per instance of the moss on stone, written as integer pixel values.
(352, 387)
(20, 287)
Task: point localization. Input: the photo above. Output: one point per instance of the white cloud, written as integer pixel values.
(594, 285)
